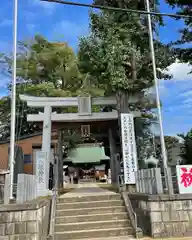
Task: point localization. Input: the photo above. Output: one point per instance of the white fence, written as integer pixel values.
(7, 189)
(150, 181)
(25, 189)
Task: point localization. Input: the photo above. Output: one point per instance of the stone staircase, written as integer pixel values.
(91, 216)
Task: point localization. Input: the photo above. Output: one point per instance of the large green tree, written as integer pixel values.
(117, 54)
(40, 62)
(43, 69)
(184, 52)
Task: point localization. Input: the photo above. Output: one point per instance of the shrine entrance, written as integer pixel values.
(87, 149)
(91, 162)
(93, 121)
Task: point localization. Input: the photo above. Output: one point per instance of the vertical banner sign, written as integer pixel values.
(128, 148)
(184, 178)
(41, 172)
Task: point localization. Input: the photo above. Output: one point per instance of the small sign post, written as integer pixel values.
(184, 178)
(41, 174)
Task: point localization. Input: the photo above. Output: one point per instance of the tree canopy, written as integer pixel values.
(188, 146)
(184, 52)
(43, 66)
(43, 69)
(117, 53)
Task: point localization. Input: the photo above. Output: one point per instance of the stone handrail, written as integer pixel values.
(132, 214)
(31, 205)
(29, 220)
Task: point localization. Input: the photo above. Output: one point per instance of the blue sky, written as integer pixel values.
(67, 23)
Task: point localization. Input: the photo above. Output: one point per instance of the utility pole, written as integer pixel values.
(13, 100)
(163, 147)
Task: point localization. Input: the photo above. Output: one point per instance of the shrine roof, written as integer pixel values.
(87, 154)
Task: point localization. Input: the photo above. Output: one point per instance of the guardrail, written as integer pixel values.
(129, 208)
(53, 211)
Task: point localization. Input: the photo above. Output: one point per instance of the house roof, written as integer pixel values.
(22, 137)
(89, 154)
(27, 136)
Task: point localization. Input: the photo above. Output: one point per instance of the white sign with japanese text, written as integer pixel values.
(41, 172)
(184, 178)
(128, 148)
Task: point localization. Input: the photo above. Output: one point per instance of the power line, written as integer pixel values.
(117, 9)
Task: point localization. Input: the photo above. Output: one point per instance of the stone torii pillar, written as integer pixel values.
(46, 141)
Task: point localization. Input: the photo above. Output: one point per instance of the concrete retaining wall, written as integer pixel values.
(163, 215)
(28, 221)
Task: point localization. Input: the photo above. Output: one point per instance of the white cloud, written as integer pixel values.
(70, 31)
(71, 28)
(187, 93)
(29, 16)
(176, 97)
(4, 80)
(6, 23)
(5, 46)
(174, 108)
(48, 6)
(180, 71)
(31, 27)
(176, 128)
(163, 91)
(188, 101)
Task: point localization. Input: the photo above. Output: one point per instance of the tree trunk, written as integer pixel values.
(63, 84)
(122, 107)
(63, 79)
(133, 66)
(123, 104)
(123, 95)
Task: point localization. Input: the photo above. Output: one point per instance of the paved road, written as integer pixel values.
(88, 190)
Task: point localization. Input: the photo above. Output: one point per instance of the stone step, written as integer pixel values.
(89, 198)
(121, 238)
(89, 218)
(76, 205)
(90, 211)
(91, 225)
(25, 236)
(94, 233)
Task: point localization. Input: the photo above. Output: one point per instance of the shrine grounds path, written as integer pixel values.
(144, 238)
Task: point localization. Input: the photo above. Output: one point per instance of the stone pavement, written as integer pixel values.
(131, 238)
(86, 189)
(81, 185)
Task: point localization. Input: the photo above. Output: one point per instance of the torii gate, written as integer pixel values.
(84, 114)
